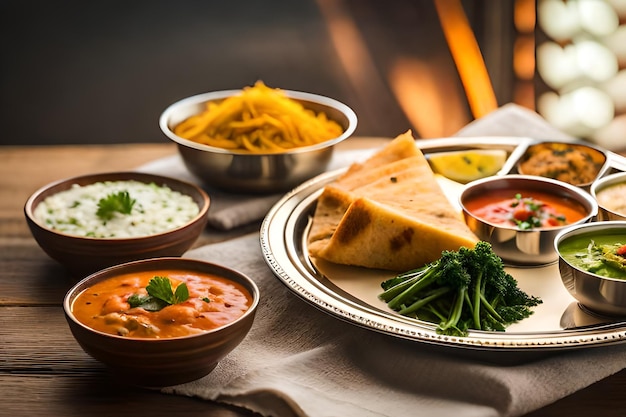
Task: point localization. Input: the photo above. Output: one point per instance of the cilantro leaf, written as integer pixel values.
(181, 293)
(146, 302)
(119, 202)
(161, 288)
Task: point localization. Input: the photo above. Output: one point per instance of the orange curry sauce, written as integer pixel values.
(535, 207)
(213, 302)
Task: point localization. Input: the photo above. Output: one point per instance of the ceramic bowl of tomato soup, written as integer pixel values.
(161, 321)
(592, 264)
(520, 215)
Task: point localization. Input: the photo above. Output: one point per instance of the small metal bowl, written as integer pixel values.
(598, 294)
(607, 205)
(162, 362)
(533, 247)
(575, 163)
(240, 171)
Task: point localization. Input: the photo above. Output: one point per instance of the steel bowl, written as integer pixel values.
(598, 294)
(165, 361)
(532, 247)
(241, 171)
(605, 212)
(592, 160)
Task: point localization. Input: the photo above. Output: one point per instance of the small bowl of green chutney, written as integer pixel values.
(592, 264)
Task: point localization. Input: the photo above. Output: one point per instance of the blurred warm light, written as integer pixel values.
(524, 16)
(524, 57)
(597, 18)
(558, 19)
(579, 112)
(583, 63)
(353, 53)
(432, 105)
(467, 57)
(616, 89)
(616, 43)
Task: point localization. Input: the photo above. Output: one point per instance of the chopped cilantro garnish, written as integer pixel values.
(160, 295)
(119, 202)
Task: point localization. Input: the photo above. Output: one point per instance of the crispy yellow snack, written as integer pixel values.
(259, 120)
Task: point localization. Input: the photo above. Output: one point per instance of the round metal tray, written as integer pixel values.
(350, 293)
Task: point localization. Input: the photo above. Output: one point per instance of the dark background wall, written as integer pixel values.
(103, 71)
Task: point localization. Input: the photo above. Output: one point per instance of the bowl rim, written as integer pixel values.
(564, 234)
(203, 209)
(604, 182)
(593, 212)
(222, 94)
(74, 291)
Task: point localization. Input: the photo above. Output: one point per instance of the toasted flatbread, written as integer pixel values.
(389, 215)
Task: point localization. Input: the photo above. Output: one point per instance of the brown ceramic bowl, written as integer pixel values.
(83, 255)
(245, 172)
(531, 247)
(166, 361)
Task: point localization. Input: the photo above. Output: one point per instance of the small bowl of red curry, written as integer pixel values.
(520, 215)
(161, 321)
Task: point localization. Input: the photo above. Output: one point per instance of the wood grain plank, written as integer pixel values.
(89, 394)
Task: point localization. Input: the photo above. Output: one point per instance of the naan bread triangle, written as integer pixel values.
(398, 219)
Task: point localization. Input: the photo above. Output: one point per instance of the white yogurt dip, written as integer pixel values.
(156, 209)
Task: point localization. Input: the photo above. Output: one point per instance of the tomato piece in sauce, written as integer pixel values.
(525, 212)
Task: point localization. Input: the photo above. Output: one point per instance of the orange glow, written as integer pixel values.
(524, 57)
(354, 55)
(524, 16)
(467, 57)
(432, 105)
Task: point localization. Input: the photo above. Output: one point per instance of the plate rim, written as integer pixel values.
(294, 269)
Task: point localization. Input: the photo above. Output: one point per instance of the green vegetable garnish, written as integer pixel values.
(120, 202)
(466, 289)
(160, 295)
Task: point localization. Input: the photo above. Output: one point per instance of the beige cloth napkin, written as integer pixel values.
(299, 361)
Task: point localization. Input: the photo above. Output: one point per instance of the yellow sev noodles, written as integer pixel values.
(259, 120)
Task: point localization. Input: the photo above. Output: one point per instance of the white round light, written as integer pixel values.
(595, 61)
(558, 19)
(597, 17)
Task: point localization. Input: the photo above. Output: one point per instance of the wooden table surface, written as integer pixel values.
(43, 371)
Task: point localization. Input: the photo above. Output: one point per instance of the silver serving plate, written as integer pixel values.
(350, 293)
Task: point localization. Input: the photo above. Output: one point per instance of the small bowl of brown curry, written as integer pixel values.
(574, 163)
(161, 321)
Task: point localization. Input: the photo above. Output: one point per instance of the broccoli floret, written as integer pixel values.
(462, 290)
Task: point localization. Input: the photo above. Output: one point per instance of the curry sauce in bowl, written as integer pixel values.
(521, 214)
(574, 163)
(161, 321)
(592, 265)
